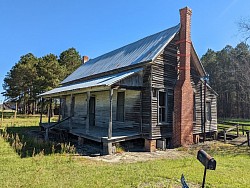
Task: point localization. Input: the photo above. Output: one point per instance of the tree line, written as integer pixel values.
(229, 72)
(32, 75)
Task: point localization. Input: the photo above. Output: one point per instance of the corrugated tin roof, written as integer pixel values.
(102, 81)
(140, 51)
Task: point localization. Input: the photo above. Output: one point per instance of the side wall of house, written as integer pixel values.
(211, 125)
(146, 101)
(164, 75)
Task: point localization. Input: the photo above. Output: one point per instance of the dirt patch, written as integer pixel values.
(132, 157)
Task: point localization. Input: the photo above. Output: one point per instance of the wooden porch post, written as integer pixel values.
(49, 116)
(15, 111)
(41, 113)
(71, 111)
(141, 114)
(60, 109)
(87, 118)
(110, 113)
(49, 110)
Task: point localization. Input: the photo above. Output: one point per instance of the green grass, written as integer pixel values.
(68, 170)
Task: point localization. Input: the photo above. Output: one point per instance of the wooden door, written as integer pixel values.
(92, 111)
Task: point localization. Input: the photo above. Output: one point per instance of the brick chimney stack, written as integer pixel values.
(85, 59)
(183, 92)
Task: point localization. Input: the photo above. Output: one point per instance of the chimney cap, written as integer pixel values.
(187, 10)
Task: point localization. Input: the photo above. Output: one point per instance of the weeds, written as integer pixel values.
(26, 146)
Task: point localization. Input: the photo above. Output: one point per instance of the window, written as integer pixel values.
(208, 111)
(120, 106)
(162, 106)
(166, 106)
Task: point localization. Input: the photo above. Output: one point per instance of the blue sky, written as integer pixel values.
(96, 27)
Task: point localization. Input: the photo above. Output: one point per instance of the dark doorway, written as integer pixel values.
(92, 111)
(120, 106)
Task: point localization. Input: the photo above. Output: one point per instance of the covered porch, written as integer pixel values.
(92, 111)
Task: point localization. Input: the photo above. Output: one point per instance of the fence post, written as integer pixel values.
(248, 142)
(225, 136)
(243, 129)
(237, 128)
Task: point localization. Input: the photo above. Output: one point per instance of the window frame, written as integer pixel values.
(160, 121)
(169, 92)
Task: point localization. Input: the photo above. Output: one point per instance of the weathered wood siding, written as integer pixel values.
(211, 126)
(146, 101)
(164, 75)
(132, 109)
(136, 80)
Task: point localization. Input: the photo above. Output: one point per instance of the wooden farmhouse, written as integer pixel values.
(153, 89)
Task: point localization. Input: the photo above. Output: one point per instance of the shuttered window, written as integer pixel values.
(120, 106)
(170, 105)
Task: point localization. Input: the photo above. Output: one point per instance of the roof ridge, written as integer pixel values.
(135, 42)
(142, 50)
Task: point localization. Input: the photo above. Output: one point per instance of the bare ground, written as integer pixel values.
(132, 157)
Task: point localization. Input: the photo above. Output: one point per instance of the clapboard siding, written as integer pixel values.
(132, 109)
(146, 100)
(211, 126)
(164, 75)
(134, 80)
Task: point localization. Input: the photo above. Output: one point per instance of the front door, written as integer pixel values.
(92, 111)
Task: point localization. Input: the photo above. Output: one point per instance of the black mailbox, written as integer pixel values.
(208, 161)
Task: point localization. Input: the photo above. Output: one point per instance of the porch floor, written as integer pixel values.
(100, 134)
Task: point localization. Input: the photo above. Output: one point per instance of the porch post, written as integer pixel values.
(110, 113)
(71, 112)
(15, 111)
(141, 114)
(41, 113)
(49, 110)
(49, 116)
(60, 109)
(87, 118)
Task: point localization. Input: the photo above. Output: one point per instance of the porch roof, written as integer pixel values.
(102, 81)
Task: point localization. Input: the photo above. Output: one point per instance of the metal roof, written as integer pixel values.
(102, 81)
(143, 50)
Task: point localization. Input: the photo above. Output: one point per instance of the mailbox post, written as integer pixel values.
(207, 161)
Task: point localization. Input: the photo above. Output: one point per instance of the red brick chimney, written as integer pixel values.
(183, 92)
(85, 59)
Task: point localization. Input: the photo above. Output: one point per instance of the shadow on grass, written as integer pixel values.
(28, 141)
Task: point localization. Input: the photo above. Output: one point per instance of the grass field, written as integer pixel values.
(70, 170)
